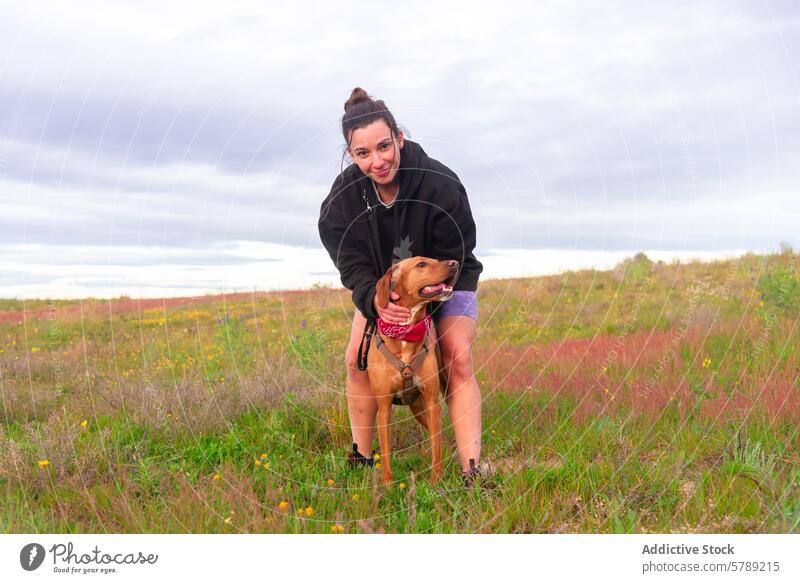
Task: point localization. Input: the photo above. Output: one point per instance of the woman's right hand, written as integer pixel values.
(392, 313)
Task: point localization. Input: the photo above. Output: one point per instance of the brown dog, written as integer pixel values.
(408, 370)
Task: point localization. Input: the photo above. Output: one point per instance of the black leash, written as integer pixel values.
(374, 245)
(363, 348)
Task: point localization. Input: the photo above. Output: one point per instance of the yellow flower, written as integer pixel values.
(35, 349)
(402, 485)
(706, 362)
(331, 482)
(266, 465)
(263, 456)
(44, 463)
(337, 528)
(309, 511)
(355, 497)
(378, 466)
(216, 477)
(283, 505)
(377, 456)
(258, 463)
(84, 423)
(493, 432)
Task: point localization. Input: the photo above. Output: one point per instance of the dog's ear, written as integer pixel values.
(383, 288)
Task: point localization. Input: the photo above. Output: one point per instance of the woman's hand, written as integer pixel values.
(392, 313)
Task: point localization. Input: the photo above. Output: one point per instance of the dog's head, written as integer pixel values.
(418, 280)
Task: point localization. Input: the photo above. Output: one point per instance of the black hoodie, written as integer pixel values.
(430, 217)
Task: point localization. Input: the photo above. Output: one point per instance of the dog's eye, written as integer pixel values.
(422, 264)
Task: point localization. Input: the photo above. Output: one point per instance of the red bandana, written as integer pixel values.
(409, 333)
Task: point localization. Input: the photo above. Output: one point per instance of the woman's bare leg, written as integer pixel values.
(456, 335)
(361, 404)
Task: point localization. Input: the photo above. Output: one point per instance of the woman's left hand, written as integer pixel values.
(392, 313)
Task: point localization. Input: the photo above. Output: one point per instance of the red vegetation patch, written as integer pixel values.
(643, 373)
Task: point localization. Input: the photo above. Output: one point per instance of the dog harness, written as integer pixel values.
(410, 391)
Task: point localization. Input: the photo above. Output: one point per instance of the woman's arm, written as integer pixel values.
(351, 260)
(453, 233)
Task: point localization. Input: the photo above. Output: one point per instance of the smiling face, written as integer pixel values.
(418, 280)
(376, 152)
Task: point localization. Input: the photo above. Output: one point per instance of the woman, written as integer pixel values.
(395, 202)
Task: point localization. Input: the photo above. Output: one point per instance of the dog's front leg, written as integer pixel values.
(434, 412)
(384, 437)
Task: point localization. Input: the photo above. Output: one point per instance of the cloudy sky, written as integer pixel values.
(155, 149)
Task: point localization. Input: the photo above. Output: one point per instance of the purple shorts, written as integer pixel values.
(462, 303)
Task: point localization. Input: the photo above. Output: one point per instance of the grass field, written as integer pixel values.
(650, 398)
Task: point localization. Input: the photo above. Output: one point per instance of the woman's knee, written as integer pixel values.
(351, 363)
(458, 362)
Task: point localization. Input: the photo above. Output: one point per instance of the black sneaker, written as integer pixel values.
(355, 459)
(471, 476)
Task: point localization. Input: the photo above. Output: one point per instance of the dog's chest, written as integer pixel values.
(408, 353)
(391, 380)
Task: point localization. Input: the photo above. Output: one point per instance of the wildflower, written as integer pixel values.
(402, 485)
(263, 456)
(266, 465)
(337, 528)
(84, 423)
(706, 362)
(377, 456)
(309, 511)
(378, 466)
(355, 497)
(283, 505)
(258, 463)
(216, 477)
(35, 349)
(331, 482)
(44, 463)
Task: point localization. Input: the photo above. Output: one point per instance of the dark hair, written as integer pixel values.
(361, 110)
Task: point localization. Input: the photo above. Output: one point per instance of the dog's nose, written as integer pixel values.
(452, 263)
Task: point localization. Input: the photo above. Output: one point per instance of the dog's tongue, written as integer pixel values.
(429, 289)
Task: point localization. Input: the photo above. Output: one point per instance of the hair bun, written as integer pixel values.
(357, 96)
